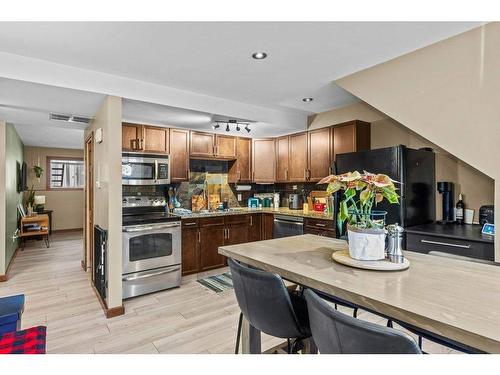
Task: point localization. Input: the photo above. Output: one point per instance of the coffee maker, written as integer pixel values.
(446, 190)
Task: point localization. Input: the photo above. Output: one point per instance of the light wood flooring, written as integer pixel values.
(189, 319)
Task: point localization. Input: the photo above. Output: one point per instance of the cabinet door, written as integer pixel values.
(263, 156)
(267, 226)
(319, 147)
(298, 157)
(156, 140)
(243, 162)
(131, 135)
(212, 237)
(179, 155)
(282, 158)
(255, 228)
(190, 250)
(236, 234)
(201, 145)
(225, 146)
(344, 139)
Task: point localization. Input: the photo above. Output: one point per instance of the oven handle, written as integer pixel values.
(132, 278)
(289, 222)
(151, 227)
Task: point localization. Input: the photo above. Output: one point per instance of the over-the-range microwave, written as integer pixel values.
(145, 169)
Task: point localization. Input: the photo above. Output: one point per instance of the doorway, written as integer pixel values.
(87, 262)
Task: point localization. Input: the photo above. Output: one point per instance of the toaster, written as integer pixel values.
(487, 214)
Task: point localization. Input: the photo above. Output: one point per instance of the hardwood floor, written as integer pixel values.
(189, 319)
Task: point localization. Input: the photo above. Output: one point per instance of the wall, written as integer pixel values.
(108, 190)
(68, 205)
(13, 150)
(2, 198)
(478, 188)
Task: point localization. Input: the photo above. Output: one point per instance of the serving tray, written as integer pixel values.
(343, 257)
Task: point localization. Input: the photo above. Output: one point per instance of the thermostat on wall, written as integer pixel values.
(98, 135)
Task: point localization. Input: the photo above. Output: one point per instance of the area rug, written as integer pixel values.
(218, 283)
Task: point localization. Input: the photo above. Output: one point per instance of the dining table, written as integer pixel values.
(455, 301)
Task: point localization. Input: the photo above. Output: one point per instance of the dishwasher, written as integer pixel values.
(286, 226)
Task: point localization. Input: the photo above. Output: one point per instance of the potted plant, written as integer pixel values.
(38, 171)
(365, 226)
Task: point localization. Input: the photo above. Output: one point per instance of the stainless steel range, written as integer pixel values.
(151, 246)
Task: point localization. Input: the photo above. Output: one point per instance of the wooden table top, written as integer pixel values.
(34, 218)
(455, 299)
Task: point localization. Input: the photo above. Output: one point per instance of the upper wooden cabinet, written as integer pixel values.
(319, 146)
(240, 170)
(350, 137)
(143, 138)
(179, 155)
(207, 145)
(282, 158)
(263, 160)
(298, 167)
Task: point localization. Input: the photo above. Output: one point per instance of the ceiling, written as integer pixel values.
(210, 60)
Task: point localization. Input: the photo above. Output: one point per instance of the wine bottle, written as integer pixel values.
(460, 210)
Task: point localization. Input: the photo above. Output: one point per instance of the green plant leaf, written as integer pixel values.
(364, 196)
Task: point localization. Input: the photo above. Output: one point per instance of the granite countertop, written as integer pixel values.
(471, 232)
(246, 210)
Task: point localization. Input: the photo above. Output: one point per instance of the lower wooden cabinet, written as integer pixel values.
(255, 228)
(190, 249)
(267, 226)
(319, 227)
(211, 238)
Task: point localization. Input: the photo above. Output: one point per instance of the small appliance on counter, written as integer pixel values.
(276, 200)
(446, 190)
(295, 201)
(487, 214)
(253, 202)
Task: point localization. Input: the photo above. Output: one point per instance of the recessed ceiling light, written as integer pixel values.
(259, 55)
(307, 100)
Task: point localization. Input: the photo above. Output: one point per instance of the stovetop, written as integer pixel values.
(148, 218)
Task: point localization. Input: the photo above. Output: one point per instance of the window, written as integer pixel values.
(65, 173)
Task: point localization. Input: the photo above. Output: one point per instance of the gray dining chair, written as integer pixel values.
(336, 333)
(268, 306)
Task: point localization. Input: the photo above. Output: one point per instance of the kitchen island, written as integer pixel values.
(453, 299)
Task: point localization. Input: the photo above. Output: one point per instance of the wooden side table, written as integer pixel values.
(42, 228)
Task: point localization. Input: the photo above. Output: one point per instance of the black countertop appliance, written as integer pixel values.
(446, 191)
(415, 169)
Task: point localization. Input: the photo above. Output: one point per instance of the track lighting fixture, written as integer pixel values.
(227, 128)
(238, 127)
(247, 128)
(215, 126)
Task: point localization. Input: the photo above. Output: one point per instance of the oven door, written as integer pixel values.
(152, 246)
(145, 170)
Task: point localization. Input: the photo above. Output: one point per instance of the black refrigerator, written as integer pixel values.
(415, 169)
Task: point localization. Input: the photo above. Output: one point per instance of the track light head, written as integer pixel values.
(227, 128)
(247, 128)
(215, 126)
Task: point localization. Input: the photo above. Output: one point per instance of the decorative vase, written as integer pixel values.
(30, 210)
(366, 244)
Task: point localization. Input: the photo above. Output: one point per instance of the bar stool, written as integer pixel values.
(268, 306)
(337, 333)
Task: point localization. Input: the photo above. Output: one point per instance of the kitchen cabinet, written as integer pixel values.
(319, 227)
(143, 138)
(155, 140)
(282, 158)
(263, 161)
(236, 229)
(179, 155)
(319, 149)
(240, 169)
(351, 136)
(191, 240)
(131, 133)
(209, 146)
(267, 226)
(255, 228)
(212, 236)
(298, 166)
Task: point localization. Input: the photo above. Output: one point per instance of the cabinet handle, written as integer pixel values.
(446, 244)
(305, 174)
(227, 233)
(199, 236)
(320, 225)
(141, 143)
(251, 221)
(189, 224)
(133, 144)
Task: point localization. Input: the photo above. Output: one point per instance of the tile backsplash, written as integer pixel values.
(212, 176)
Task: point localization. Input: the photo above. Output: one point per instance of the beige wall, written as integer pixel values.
(478, 188)
(2, 197)
(108, 190)
(446, 92)
(68, 205)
